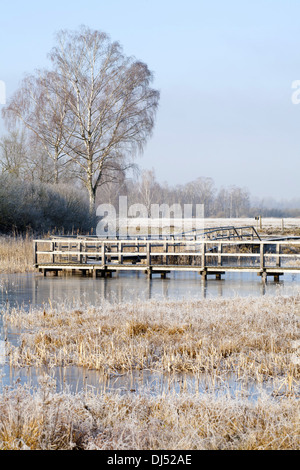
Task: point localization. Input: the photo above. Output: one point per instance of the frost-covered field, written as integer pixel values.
(143, 226)
(268, 222)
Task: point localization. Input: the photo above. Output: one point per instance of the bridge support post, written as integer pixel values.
(264, 276)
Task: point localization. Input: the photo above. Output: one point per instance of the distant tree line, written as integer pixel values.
(224, 202)
(31, 199)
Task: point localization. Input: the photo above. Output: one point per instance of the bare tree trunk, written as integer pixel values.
(91, 187)
(55, 171)
(92, 200)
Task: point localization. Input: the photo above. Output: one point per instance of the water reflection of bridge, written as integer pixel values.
(210, 252)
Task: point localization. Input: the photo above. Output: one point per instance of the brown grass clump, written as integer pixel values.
(34, 420)
(48, 420)
(16, 254)
(250, 337)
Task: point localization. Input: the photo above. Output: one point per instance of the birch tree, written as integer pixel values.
(111, 109)
(13, 154)
(40, 107)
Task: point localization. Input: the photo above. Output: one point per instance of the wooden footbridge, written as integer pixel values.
(211, 252)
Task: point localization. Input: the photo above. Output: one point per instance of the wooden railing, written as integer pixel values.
(205, 256)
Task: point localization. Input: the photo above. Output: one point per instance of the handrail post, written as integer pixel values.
(203, 260)
(220, 250)
(166, 252)
(262, 257)
(80, 252)
(149, 268)
(103, 256)
(120, 257)
(52, 252)
(35, 252)
(278, 259)
(148, 254)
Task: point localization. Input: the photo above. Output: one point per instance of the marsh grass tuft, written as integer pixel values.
(247, 336)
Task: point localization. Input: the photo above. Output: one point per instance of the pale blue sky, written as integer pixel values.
(224, 69)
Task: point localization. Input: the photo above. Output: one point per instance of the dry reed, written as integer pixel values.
(16, 254)
(48, 420)
(250, 337)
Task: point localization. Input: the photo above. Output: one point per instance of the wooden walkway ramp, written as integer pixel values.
(207, 256)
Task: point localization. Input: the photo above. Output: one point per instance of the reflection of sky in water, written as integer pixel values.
(31, 289)
(34, 289)
(72, 379)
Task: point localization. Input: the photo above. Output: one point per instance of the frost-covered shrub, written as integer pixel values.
(42, 207)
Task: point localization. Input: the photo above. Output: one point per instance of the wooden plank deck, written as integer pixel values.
(96, 257)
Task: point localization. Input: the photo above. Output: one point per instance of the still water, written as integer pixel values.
(35, 290)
